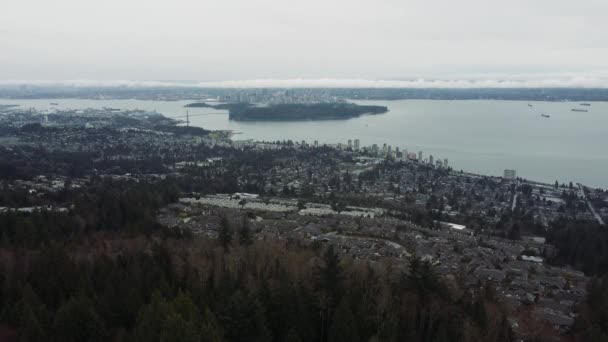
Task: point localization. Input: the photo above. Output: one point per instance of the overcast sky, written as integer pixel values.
(230, 40)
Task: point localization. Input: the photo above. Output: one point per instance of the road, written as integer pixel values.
(584, 195)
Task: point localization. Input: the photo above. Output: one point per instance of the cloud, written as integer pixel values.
(339, 39)
(564, 80)
(573, 82)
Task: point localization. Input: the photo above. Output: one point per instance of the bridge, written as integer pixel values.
(188, 116)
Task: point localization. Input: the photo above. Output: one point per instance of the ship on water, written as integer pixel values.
(586, 104)
(545, 116)
(54, 104)
(579, 110)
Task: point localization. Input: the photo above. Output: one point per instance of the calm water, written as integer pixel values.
(483, 136)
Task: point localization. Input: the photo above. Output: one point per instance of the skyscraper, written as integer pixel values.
(420, 156)
(357, 145)
(350, 143)
(431, 159)
(445, 163)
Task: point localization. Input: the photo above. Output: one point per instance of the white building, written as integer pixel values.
(509, 174)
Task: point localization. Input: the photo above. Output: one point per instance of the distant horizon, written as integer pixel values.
(566, 80)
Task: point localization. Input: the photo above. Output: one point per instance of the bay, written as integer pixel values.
(481, 136)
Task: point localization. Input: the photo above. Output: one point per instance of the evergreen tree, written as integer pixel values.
(175, 320)
(150, 319)
(210, 329)
(243, 319)
(592, 324)
(30, 327)
(330, 275)
(329, 278)
(176, 328)
(77, 321)
(245, 233)
(344, 326)
(225, 234)
(32, 316)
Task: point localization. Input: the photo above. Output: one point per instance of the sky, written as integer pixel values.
(314, 42)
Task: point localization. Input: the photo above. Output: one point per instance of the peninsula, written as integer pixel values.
(299, 112)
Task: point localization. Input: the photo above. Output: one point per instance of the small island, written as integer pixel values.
(300, 112)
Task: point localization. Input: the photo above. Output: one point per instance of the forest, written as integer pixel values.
(105, 287)
(288, 112)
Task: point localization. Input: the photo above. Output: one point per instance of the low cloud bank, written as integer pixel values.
(596, 80)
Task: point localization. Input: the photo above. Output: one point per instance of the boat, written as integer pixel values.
(545, 116)
(529, 105)
(54, 104)
(579, 110)
(586, 104)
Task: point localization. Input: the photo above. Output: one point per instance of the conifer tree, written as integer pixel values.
(225, 234)
(245, 233)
